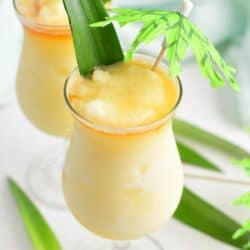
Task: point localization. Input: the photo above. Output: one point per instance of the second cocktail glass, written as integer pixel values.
(46, 60)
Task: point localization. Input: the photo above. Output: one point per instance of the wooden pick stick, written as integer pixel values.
(186, 9)
(219, 179)
(160, 56)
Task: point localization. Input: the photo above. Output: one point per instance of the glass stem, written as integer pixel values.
(121, 245)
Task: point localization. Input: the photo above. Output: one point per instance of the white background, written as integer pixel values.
(20, 141)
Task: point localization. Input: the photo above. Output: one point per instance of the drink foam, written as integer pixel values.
(126, 94)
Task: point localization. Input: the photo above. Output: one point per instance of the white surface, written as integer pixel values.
(201, 105)
(10, 37)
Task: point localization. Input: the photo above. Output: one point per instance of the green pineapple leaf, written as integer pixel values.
(244, 200)
(40, 233)
(242, 231)
(203, 216)
(190, 131)
(180, 34)
(191, 156)
(92, 47)
(245, 164)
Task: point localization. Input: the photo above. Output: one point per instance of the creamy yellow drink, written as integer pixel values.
(47, 12)
(123, 177)
(46, 60)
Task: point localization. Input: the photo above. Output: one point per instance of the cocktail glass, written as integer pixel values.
(46, 60)
(122, 183)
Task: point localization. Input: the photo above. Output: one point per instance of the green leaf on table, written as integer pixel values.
(180, 34)
(244, 200)
(40, 233)
(92, 47)
(245, 229)
(190, 131)
(190, 156)
(245, 164)
(199, 214)
(247, 128)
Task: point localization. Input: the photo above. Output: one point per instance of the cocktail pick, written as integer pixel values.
(181, 34)
(219, 178)
(186, 7)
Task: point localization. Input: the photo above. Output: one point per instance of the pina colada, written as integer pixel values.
(46, 60)
(123, 177)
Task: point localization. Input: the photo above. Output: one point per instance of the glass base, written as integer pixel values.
(147, 243)
(44, 177)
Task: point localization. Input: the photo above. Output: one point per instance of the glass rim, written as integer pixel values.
(64, 28)
(126, 130)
